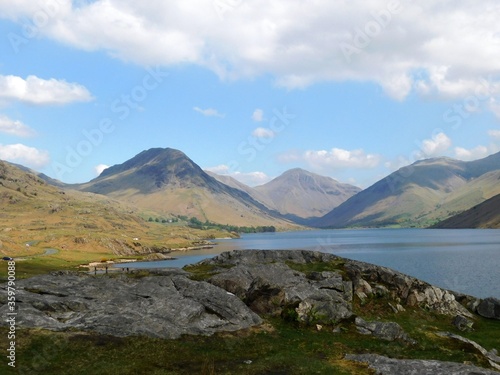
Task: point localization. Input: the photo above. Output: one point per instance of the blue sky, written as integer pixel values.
(246, 88)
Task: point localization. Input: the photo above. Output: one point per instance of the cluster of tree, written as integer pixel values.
(198, 224)
(162, 220)
(194, 222)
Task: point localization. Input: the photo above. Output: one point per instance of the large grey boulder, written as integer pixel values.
(489, 308)
(167, 305)
(389, 331)
(390, 366)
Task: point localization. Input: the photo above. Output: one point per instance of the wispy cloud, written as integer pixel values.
(25, 155)
(34, 90)
(495, 134)
(98, 169)
(263, 133)
(480, 151)
(13, 127)
(248, 178)
(475, 153)
(336, 158)
(258, 115)
(209, 112)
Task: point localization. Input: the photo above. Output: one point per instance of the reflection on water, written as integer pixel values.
(466, 261)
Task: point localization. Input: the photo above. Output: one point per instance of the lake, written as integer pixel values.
(463, 260)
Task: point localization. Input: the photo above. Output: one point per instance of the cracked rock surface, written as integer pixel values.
(166, 306)
(390, 366)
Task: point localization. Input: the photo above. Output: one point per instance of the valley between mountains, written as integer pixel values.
(419, 195)
(161, 200)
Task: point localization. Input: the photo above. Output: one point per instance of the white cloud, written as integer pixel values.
(494, 134)
(420, 45)
(219, 169)
(251, 178)
(263, 133)
(478, 152)
(209, 112)
(258, 115)
(98, 169)
(248, 178)
(25, 155)
(435, 146)
(34, 90)
(335, 158)
(14, 127)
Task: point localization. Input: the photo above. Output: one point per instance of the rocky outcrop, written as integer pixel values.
(165, 305)
(275, 289)
(409, 290)
(243, 285)
(257, 272)
(390, 366)
(491, 356)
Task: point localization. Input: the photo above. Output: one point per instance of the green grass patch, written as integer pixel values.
(202, 272)
(308, 268)
(37, 266)
(278, 347)
(285, 350)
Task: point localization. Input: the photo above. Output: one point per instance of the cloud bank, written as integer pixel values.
(403, 46)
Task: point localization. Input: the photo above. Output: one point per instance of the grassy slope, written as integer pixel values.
(82, 227)
(426, 194)
(203, 204)
(277, 347)
(485, 215)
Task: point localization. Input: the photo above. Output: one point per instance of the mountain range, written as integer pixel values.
(419, 195)
(297, 194)
(166, 181)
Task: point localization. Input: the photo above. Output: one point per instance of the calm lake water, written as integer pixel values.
(464, 260)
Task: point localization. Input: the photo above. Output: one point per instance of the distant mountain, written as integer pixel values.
(166, 180)
(419, 194)
(302, 194)
(484, 215)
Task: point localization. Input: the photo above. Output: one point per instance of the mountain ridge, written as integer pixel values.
(416, 195)
(485, 215)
